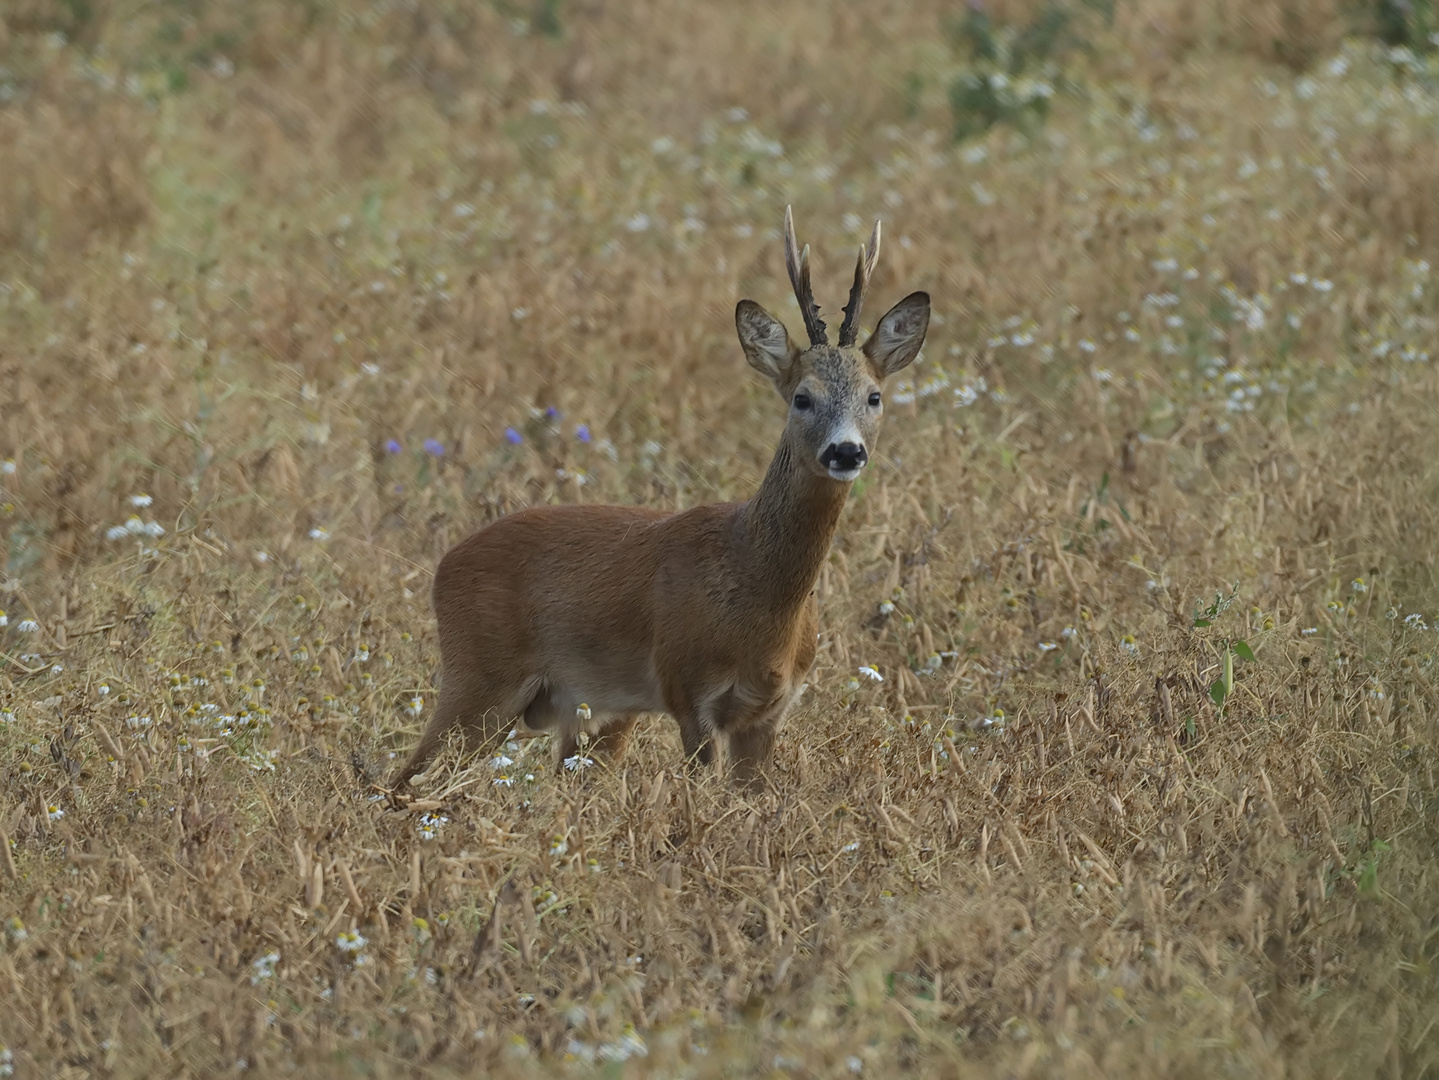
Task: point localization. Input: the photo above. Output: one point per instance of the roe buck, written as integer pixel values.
(708, 614)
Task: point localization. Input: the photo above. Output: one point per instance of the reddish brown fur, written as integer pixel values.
(708, 614)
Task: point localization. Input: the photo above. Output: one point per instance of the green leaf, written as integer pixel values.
(1217, 692)
(1243, 651)
(1189, 727)
(1369, 877)
(1203, 622)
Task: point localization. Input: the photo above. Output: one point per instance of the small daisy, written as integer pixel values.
(264, 968)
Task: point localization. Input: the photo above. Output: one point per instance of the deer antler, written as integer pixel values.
(849, 330)
(797, 263)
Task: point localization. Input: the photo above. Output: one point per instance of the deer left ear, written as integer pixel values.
(897, 339)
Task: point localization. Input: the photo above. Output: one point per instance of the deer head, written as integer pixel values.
(835, 392)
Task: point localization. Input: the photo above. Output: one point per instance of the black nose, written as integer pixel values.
(845, 456)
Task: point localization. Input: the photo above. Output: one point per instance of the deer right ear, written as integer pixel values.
(767, 346)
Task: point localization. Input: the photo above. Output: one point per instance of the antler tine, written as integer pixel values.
(797, 263)
(863, 268)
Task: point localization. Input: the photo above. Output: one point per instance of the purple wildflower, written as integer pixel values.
(434, 448)
(513, 437)
(583, 433)
(392, 446)
(551, 413)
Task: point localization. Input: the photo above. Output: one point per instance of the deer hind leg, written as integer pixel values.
(608, 742)
(615, 736)
(479, 705)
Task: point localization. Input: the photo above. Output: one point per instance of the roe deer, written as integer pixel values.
(708, 614)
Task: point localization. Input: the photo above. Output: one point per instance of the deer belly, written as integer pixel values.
(607, 690)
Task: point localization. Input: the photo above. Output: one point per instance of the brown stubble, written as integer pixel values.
(1086, 889)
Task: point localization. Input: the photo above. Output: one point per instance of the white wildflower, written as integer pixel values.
(629, 1045)
(264, 968)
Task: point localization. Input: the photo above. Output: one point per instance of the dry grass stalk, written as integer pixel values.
(1184, 338)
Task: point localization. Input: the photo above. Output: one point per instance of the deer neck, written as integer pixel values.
(787, 528)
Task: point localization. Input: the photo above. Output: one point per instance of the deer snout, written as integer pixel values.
(844, 459)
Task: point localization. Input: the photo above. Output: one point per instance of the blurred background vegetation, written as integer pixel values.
(1119, 754)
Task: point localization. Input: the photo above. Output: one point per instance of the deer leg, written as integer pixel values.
(696, 736)
(614, 737)
(699, 746)
(751, 749)
(609, 742)
(481, 710)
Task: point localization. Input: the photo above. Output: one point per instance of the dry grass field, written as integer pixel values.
(1119, 757)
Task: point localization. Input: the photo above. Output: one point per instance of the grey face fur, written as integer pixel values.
(834, 391)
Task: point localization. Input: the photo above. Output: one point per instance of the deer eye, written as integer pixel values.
(874, 400)
(802, 402)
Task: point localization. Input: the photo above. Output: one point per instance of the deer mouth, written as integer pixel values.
(844, 460)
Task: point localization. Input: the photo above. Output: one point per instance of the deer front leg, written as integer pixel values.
(695, 731)
(750, 716)
(751, 749)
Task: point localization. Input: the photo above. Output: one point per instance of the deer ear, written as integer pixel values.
(767, 346)
(899, 335)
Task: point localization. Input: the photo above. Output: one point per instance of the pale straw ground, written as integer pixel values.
(305, 293)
